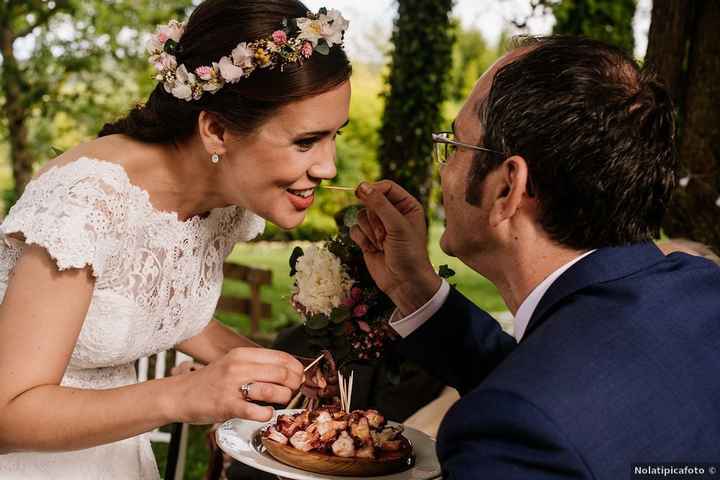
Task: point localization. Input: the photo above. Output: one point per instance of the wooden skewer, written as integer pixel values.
(338, 187)
(349, 399)
(341, 383)
(313, 363)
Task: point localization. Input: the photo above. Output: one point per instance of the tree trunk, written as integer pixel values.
(685, 50)
(16, 113)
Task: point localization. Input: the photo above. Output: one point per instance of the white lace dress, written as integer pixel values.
(158, 280)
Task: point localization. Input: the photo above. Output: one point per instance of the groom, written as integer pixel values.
(565, 171)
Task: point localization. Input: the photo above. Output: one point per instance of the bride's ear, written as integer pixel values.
(212, 133)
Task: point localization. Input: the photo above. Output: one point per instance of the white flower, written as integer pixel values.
(321, 282)
(335, 25)
(329, 27)
(184, 81)
(230, 72)
(310, 30)
(243, 56)
(172, 31)
(164, 62)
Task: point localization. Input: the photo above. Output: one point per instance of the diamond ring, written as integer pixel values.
(245, 390)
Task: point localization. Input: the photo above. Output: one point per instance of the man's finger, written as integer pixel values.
(375, 200)
(378, 229)
(363, 222)
(362, 241)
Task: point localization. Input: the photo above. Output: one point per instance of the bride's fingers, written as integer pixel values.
(259, 372)
(267, 392)
(251, 411)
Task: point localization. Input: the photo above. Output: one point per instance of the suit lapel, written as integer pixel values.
(603, 265)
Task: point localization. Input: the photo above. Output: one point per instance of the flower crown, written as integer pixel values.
(294, 43)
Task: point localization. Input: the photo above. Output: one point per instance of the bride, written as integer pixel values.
(115, 249)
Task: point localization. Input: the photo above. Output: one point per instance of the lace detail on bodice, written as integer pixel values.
(157, 279)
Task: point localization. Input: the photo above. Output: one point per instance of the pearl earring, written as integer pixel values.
(215, 158)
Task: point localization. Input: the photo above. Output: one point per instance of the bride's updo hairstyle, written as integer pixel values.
(214, 29)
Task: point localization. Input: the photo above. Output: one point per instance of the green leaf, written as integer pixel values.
(322, 47)
(55, 152)
(446, 272)
(317, 322)
(296, 254)
(339, 315)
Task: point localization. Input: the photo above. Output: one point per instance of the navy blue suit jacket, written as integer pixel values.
(620, 365)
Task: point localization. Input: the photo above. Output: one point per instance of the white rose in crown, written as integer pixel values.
(328, 26)
(321, 282)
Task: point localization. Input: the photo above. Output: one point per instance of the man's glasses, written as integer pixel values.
(445, 145)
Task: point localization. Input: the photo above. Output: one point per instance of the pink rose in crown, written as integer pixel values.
(279, 37)
(306, 50)
(360, 310)
(205, 73)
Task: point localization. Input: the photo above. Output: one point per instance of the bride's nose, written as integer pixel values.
(324, 167)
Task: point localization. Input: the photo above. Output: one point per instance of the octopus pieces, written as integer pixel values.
(359, 434)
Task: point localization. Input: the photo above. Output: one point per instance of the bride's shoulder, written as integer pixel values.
(104, 153)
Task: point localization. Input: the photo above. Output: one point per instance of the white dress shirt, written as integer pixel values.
(405, 326)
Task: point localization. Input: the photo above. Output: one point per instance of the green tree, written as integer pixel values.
(471, 57)
(421, 61)
(81, 61)
(684, 49)
(606, 20)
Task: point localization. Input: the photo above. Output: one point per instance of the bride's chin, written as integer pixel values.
(289, 222)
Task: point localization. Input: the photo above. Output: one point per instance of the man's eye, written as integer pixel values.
(306, 143)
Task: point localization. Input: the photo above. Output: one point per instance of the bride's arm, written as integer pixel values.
(40, 319)
(213, 342)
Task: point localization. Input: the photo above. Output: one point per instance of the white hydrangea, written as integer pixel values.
(321, 282)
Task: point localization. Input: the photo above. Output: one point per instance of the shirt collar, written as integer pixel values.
(528, 306)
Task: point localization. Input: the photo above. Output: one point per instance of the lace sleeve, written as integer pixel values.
(77, 215)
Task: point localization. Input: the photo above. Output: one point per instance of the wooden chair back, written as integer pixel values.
(253, 306)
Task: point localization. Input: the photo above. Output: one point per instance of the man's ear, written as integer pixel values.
(509, 187)
(212, 133)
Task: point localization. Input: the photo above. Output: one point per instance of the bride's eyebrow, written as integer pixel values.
(320, 133)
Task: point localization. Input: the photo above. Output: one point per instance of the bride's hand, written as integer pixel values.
(215, 393)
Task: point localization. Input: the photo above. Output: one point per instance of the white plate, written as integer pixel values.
(235, 437)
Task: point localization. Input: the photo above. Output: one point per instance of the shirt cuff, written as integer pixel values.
(406, 326)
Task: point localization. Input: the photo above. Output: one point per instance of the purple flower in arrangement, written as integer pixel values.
(279, 37)
(360, 310)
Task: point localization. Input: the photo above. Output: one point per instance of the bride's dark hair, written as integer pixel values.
(213, 31)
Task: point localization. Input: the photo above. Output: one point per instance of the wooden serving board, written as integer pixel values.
(317, 462)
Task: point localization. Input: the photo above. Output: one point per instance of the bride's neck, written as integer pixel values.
(184, 180)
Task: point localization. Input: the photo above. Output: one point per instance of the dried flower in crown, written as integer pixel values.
(296, 41)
